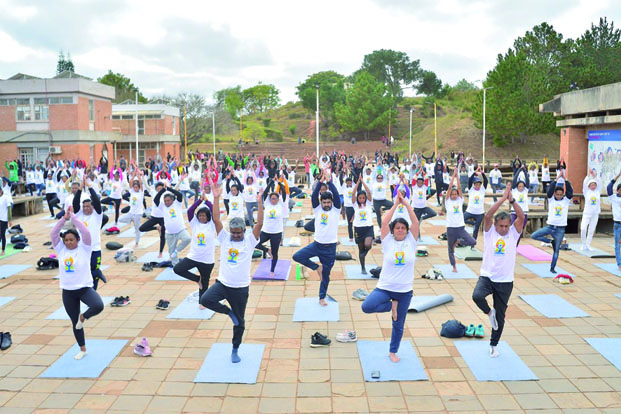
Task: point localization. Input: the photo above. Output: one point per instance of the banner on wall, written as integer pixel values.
(605, 154)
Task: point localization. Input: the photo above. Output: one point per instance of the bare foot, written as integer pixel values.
(201, 307)
(2, 254)
(454, 269)
(271, 274)
(393, 357)
(159, 256)
(323, 302)
(136, 245)
(319, 270)
(200, 284)
(394, 310)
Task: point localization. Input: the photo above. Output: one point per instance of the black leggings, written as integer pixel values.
(71, 301)
(3, 226)
(364, 246)
(96, 268)
(349, 212)
(52, 201)
(377, 206)
(204, 269)
(237, 299)
(150, 225)
(274, 239)
(117, 206)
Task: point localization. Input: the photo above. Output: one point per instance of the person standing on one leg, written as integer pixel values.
(591, 189)
(393, 292)
(498, 266)
(5, 205)
(455, 226)
(76, 282)
(326, 209)
(379, 197)
(420, 195)
(177, 236)
(615, 201)
(559, 197)
(273, 227)
(363, 221)
(348, 191)
(233, 281)
(476, 200)
(156, 220)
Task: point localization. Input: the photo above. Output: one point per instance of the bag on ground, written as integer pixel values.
(453, 329)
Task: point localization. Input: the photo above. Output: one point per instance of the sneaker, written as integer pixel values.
(470, 331)
(143, 348)
(124, 301)
(165, 305)
(347, 336)
(318, 340)
(159, 304)
(359, 294)
(493, 351)
(116, 301)
(479, 331)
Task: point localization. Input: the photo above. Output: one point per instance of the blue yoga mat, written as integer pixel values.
(553, 306)
(217, 366)
(610, 348)
(463, 271)
(437, 222)
(5, 299)
(543, 270)
(618, 295)
(506, 367)
(354, 272)
(296, 210)
(7, 271)
(422, 303)
(61, 314)
(374, 357)
(309, 310)
(152, 257)
(101, 352)
(428, 241)
(168, 274)
(281, 272)
(188, 309)
(594, 254)
(609, 267)
(345, 242)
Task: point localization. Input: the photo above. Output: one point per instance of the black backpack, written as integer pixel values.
(453, 329)
(375, 272)
(18, 238)
(46, 263)
(343, 256)
(112, 245)
(299, 223)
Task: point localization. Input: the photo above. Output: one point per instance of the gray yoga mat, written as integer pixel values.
(422, 303)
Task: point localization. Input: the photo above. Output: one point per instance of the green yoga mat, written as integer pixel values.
(9, 251)
(467, 254)
(298, 204)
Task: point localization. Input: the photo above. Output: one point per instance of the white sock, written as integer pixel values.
(492, 319)
(493, 352)
(79, 324)
(80, 355)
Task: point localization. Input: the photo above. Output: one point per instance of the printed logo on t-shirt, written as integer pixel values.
(521, 199)
(593, 201)
(133, 201)
(234, 205)
(272, 214)
(324, 219)
(379, 188)
(368, 180)
(500, 247)
(69, 265)
(420, 195)
(233, 255)
(400, 208)
(349, 194)
(200, 239)
(249, 190)
(85, 224)
(476, 199)
(558, 210)
(455, 209)
(172, 213)
(363, 216)
(399, 258)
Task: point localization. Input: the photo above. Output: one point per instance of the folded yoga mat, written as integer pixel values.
(61, 314)
(189, 309)
(217, 366)
(463, 271)
(102, 268)
(593, 254)
(437, 222)
(5, 299)
(467, 254)
(152, 257)
(610, 348)
(543, 270)
(9, 251)
(354, 271)
(533, 253)
(609, 267)
(281, 272)
(101, 352)
(290, 223)
(374, 357)
(168, 275)
(309, 310)
(428, 241)
(553, 306)
(7, 271)
(422, 303)
(345, 242)
(506, 367)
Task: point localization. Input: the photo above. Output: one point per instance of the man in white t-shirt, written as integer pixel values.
(497, 271)
(326, 209)
(233, 282)
(495, 179)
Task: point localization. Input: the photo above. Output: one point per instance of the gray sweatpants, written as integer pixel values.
(176, 243)
(457, 233)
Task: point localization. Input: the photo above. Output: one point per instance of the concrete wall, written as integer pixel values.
(574, 149)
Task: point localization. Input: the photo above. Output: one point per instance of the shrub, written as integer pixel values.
(292, 129)
(267, 122)
(273, 134)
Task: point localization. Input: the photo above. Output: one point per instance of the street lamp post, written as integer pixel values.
(137, 160)
(484, 96)
(411, 110)
(317, 120)
(213, 127)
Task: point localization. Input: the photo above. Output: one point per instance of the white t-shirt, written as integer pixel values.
(348, 192)
(173, 216)
(419, 196)
(250, 193)
(116, 189)
(30, 177)
(495, 176)
(615, 201)
(272, 217)
(50, 187)
(455, 212)
(397, 273)
(235, 259)
(401, 212)
(533, 177)
(74, 266)
(521, 197)
(135, 202)
(363, 216)
(38, 176)
(202, 245)
(326, 224)
(592, 202)
(499, 254)
(236, 206)
(93, 224)
(476, 201)
(545, 174)
(291, 179)
(557, 211)
(5, 202)
(379, 190)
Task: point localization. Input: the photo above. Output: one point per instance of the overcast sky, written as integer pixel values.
(170, 46)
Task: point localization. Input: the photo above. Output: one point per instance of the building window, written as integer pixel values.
(140, 126)
(61, 100)
(23, 113)
(41, 113)
(91, 110)
(7, 102)
(26, 155)
(127, 117)
(116, 116)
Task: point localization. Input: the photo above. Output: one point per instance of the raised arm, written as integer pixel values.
(489, 215)
(216, 190)
(86, 234)
(193, 207)
(257, 227)
(336, 200)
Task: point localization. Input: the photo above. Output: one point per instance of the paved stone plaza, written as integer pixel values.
(573, 376)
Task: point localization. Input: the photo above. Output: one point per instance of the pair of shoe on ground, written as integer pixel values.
(475, 331)
(121, 301)
(5, 340)
(162, 304)
(320, 340)
(360, 294)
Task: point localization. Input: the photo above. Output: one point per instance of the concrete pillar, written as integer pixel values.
(574, 149)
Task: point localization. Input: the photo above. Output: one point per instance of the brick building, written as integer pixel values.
(158, 130)
(69, 116)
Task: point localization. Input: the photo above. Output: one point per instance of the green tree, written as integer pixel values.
(368, 106)
(464, 86)
(69, 63)
(197, 114)
(331, 92)
(231, 100)
(123, 86)
(392, 68)
(253, 131)
(260, 98)
(429, 84)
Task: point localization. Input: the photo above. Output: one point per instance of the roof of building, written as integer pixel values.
(22, 76)
(66, 82)
(67, 74)
(129, 107)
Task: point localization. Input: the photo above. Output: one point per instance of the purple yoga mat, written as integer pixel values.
(280, 273)
(533, 253)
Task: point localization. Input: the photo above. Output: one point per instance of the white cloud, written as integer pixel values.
(17, 11)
